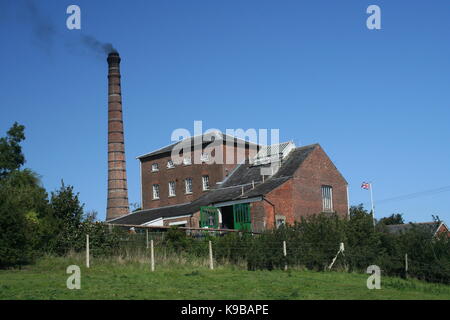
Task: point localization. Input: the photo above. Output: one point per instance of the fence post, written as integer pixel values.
(152, 255)
(146, 241)
(87, 250)
(285, 254)
(406, 265)
(211, 263)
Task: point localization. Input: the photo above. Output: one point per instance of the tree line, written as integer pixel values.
(33, 221)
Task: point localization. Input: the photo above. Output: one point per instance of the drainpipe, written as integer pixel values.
(273, 208)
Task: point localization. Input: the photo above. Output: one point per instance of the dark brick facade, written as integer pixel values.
(178, 174)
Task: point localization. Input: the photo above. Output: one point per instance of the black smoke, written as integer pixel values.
(97, 45)
(45, 32)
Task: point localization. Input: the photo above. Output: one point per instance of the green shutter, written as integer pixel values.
(209, 217)
(242, 219)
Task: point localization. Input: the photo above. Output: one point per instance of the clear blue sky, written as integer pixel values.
(377, 101)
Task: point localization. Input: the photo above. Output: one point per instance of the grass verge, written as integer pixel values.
(123, 279)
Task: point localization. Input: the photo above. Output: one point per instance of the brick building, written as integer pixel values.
(267, 187)
(165, 182)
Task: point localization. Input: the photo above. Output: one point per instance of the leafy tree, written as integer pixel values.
(395, 218)
(11, 156)
(90, 216)
(67, 214)
(23, 207)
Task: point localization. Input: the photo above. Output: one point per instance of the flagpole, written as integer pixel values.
(371, 201)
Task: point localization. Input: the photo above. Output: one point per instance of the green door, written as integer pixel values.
(209, 217)
(242, 220)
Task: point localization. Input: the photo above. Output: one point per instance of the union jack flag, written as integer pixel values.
(365, 185)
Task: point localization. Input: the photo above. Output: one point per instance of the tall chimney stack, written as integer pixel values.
(117, 175)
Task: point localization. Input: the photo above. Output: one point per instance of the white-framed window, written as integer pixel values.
(155, 167)
(187, 161)
(172, 192)
(170, 164)
(280, 220)
(156, 191)
(188, 185)
(204, 157)
(327, 198)
(205, 183)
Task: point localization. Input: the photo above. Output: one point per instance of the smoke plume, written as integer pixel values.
(45, 32)
(97, 45)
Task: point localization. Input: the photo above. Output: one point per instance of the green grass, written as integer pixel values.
(119, 279)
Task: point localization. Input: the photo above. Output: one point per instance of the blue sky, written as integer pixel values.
(378, 101)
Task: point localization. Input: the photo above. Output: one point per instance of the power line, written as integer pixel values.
(415, 195)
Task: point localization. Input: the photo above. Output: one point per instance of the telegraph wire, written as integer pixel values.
(416, 195)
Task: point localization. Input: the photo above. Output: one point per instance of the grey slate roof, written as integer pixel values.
(207, 139)
(430, 227)
(231, 189)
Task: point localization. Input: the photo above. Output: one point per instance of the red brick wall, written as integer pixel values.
(315, 171)
(443, 230)
(302, 195)
(216, 173)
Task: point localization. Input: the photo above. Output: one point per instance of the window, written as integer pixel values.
(187, 161)
(280, 220)
(170, 164)
(327, 198)
(205, 182)
(188, 185)
(204, 157)
(178, 223)
(172, 189)
(156, 191)
(155, 167)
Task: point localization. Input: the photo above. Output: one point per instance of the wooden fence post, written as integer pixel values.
(285, 254)
(211, 263)
(152, 255)
(146, 241)
(87, 250)
(406, 265)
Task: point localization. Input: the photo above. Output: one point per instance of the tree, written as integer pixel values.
(23, 206)
(395, 218)
(67, 213)
(11, 156)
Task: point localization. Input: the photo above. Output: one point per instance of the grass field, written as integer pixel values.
(132, 280)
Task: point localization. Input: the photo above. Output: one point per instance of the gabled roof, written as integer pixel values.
(207, 138)
(238, 186)
(431, 227)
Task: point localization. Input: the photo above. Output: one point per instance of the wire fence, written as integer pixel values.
(161, 248)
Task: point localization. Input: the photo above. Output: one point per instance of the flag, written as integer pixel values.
(365, 185)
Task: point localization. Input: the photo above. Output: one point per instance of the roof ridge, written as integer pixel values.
(213, 133)
(308, 146)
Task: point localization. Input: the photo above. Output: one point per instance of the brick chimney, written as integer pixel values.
(117, 175)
